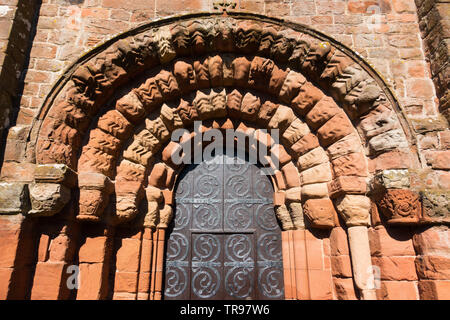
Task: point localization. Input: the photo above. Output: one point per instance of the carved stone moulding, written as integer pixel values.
(435, 206)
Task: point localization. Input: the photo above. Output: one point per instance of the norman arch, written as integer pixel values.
(102, 139)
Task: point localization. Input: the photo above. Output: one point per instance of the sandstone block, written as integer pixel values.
(14, 198)
(392, 139)
(312, 158)
(392, 242)
(436, 205)
(314, 191)
(320, 212)
(48, 199)
(317, 174)
(55, 173)
(354, 209)
(347, 185)
(400, 206)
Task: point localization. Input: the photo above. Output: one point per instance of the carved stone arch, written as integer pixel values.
(110, 117)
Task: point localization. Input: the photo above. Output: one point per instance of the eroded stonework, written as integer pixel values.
(102, 140)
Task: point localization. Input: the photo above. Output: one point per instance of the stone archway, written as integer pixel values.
(110, 118)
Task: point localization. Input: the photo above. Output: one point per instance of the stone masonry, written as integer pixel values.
(91, 91)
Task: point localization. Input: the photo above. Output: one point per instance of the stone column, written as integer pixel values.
(355, 209)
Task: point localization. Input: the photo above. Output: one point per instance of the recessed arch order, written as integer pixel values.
(110, 117)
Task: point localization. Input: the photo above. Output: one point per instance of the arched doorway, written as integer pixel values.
(225, 242)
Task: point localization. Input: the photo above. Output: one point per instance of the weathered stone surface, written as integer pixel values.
(165, 217)
(433, 267)
(291, 86)
(391, 179)
(94, 181)
(284, 217)
(293, 194)
(296, 211)
(294, 132)
(48, 199)
(400, 206)
(391, 241)
(210, 104)
(14, 198)
(363, 276)
(335, 129)
(347, 185)
(305, 144)
(266, 112)
(353, 164)
(306, 99)
(282, 118)
(92, 203)
(435, 206)
(348, 144)
(291, 176)
(324, 110)
(315, 190)
(379, 120)
(55, 173)
(434, 290)
(392, 139)
(317, 174)
(320, 212)
(170, 117)
(354, 209)
(131, 107)
(312, 158)
(396, 268)
(249, 107)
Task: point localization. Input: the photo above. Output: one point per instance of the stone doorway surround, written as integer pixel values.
(101, 148)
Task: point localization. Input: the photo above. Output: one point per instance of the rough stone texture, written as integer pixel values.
(331, 114)
(320, 212)
(14, 198)
(48, 199)
(435, 206)
(400, 206)
(355, 210)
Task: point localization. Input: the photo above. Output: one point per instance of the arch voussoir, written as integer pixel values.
(332, 112)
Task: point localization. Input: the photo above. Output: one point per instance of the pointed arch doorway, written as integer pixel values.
(225, 242)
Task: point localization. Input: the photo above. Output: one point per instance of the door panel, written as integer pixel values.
(225, 241)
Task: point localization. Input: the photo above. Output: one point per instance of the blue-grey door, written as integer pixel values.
(225, 241)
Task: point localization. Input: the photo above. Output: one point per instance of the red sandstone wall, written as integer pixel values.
(413, 263)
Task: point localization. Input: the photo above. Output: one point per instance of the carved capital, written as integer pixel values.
(354, 209)
(284, 217)
(95, 189)
(165, 217)
(400, 206)
(320, 213)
